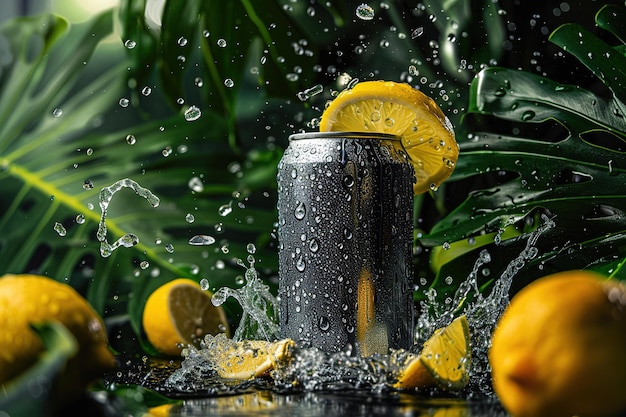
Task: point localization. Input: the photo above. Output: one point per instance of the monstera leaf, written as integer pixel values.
(574, 176)
(73, 145)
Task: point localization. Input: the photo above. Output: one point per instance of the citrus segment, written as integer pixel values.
(248, 359)
(399, 109)
(444, 361)
(180, 313)
(31, 299)
(560, 348)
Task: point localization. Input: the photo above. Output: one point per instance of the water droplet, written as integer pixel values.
(195, 184)
(204, 284)
(146, 91)
(314, 245)
(130, 44)
(413, 70)
(221, 43)
(124, 102)
(300, 264)
(528, 115)
(60, 229)
(365, 12)
(445, 246)
(251, 248)
(169, 248)
(80, 219)
(192, 113)
(323, 324)
(144, 265)
(87, 185)
(229, 83)
(130, 139)
(300, 211)
(182, 41)
(375, 116)
(417, 32)
(57, 112)
(310, 92)
(190, 218)
(202, 240)
(225, 209)
(89, 151)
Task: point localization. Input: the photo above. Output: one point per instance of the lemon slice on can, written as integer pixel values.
(399, 109)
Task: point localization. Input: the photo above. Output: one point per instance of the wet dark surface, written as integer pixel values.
(136, 376)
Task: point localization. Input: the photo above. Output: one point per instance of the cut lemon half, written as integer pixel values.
(444, 360)
(180, 313)
(399, 109)
(248, 359)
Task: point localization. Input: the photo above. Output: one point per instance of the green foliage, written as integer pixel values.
(574, 175)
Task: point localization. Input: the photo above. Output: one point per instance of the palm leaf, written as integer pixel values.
(47, 157)
(575, 177)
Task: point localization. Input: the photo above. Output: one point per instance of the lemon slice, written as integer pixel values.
(444, 360)
(249, 359)
(180, 313)
(399, 109)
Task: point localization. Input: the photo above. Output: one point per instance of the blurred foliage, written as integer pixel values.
(64, 126)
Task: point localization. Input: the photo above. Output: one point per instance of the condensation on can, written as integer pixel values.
(345, 216)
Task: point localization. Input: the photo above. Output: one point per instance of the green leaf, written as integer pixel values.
(571, 173)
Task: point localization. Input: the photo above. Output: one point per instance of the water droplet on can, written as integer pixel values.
(300, 211)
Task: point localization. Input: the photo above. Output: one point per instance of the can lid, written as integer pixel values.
(344, 135)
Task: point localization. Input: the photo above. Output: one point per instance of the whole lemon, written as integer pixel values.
(560, 348)
(26, 299)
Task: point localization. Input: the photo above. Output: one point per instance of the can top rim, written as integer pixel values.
(344, 135)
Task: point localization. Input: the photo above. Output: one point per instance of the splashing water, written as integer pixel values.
(313, 370)
(260, 307)
(106, 194)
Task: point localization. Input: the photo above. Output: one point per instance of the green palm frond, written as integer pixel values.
(573, 172)
(63, 138)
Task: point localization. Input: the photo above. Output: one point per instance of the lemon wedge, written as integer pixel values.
(250, 359)
(443, 362)
(399, 109)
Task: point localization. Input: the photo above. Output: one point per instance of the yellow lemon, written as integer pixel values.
(444, 361)
(560, 348)
(399, 109)
(179, 313)
(32, 299)
(247, 359)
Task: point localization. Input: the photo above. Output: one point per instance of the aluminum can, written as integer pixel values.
(345, 230)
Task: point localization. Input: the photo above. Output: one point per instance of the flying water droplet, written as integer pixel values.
(221, 43)
(144, 265)
(251, 248)
(169, 248)
(60, 229)
(124, 102)
(365, 12)
(189, 218)
(130, 44)
(204, 284)
(146, 91)
(87, 185)
(130, 139)
(202, 240)
(57, 112)
(225, 209)
(310, 92)
(416, 33)
(229, 82)
(192, 113)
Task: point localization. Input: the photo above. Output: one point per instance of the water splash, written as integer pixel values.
(260, 308)
(314, 370)
(106, 194)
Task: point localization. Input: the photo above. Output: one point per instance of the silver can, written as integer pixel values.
(345, 230)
